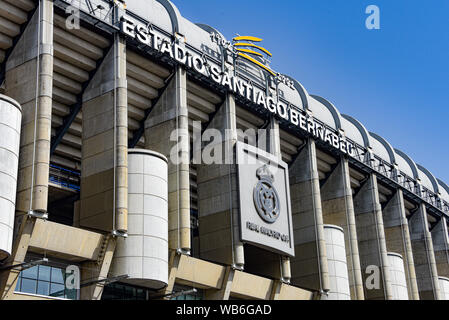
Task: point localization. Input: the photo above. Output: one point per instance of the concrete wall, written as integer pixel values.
(440, 241)
(423, 255)
(371, 239)
(32, 59)
(218, 195)
(397, 237)
(104, 173)
(168, 115)
(338, 209)
(309, 267)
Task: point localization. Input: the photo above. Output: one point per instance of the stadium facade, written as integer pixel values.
(95, 97)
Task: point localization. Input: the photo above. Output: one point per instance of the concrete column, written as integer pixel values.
(440, 239)
(225, 291)
(218, 193)
(338, 209)
(423, 255)
(371, 240)
(173, 265)
(274, 147)
(309, 267)
(8, 278)
(397, 237)
(104, 174)
(167, 132)
(29, 80)
(97, 271)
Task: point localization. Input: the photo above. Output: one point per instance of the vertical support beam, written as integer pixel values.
(397, 237)
(274, 143)
(91, 271)
(309, 267)
(173, 265)
(218, 194)
(423, 256)
(167, 132)
(8, 278)
(225, 291)
(371, 239)
(338, 209)
(29, 80)
(440, 238)
(104, 174)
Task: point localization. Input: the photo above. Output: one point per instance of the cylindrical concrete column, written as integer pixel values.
(10, 120)
(397, 276)
(337, 264)
(144, 254)
(444, 288)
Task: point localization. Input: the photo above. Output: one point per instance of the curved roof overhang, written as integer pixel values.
(431, 177)
(210, 29)
(332, 109)
(173, 13)
(361, 128)
(444, 185)
(387, 146)
(410, 162)
(302, 92)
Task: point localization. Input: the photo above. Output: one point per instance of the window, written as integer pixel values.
(45, 280)
(120, 291)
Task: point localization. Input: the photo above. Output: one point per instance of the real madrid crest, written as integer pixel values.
(266, 198)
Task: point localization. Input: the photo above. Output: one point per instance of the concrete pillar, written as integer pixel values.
(397, 237)
(8, 278)
(423, 255)
(309, 267)
(167, 132)
(104, 173)
(29, 80)
(371, 240)
(218, 193)
(274, 147)
(440, 239)
(96, 272)
(225, 291)
(173, 265)
(338, 209)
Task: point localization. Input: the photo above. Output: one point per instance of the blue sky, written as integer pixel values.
(394, 80)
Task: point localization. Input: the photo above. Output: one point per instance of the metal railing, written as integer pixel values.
(64, 178)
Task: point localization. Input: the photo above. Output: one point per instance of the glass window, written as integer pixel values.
(30, 273)
(45, 280)
(44, 273)
(57, 290)
(43, 288)
(117, 291)
(29, 285)
(57, 275)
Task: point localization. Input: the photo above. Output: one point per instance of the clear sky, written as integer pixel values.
(394, 80)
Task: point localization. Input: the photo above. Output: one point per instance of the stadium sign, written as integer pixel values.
(178, 51)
